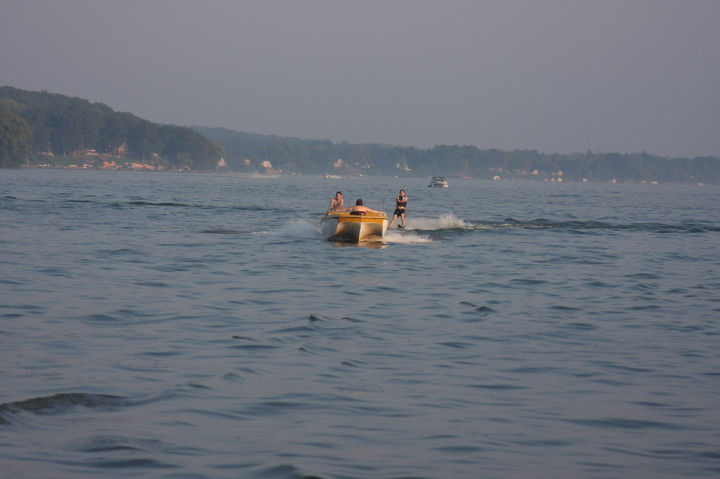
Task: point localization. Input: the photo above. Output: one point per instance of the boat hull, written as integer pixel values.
(342, 226)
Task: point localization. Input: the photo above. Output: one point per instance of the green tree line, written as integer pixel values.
(35, 122)
(32, 123)
(244, 151)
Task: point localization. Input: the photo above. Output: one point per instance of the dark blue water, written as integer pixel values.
(163, 325)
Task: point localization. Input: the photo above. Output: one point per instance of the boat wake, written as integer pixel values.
(442, 222)
(299, 229)
(405, 236)
(418, 225)
(414, 233)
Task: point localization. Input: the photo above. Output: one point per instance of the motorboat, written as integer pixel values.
(354, 227)
(438, 182)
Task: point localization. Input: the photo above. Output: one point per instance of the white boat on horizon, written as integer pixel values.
(438, 182)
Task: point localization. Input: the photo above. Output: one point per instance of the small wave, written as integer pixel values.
(579, 225)
(477, 313)
(313, 318)
(60, 403)
(498, 386)
(222, 231)
(284, 471)
(170, 204)
(120, 251)
(69, 402)
(150, 203)
(298, 229)
(625, 423)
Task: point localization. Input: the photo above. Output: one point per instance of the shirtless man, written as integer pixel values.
(336, 203)
(360, 208)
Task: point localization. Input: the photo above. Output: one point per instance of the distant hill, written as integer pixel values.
(65, 127)
(42, 127)
(245, 151)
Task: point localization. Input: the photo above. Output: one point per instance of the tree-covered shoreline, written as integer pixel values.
(41, 128)
(243, 151)
(67, 127)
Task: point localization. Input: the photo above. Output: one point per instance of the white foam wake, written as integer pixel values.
(405, 236)
(446, 221)
(299, 229)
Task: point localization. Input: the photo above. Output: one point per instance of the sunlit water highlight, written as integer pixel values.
(199, 326)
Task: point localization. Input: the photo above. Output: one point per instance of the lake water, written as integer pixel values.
(162, 325)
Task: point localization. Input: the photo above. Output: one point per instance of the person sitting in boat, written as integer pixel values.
(400, 205)
(360, 208)
(337, 203)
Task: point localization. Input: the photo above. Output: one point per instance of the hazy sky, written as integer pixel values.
(553, 75)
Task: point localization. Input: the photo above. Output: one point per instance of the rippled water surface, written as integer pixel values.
(198, 326)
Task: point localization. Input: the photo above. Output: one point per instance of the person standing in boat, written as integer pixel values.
(337, 203)
(400, 206)
(360, 208)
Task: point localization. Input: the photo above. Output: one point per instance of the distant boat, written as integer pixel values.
(438, 182)
(331, 176)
